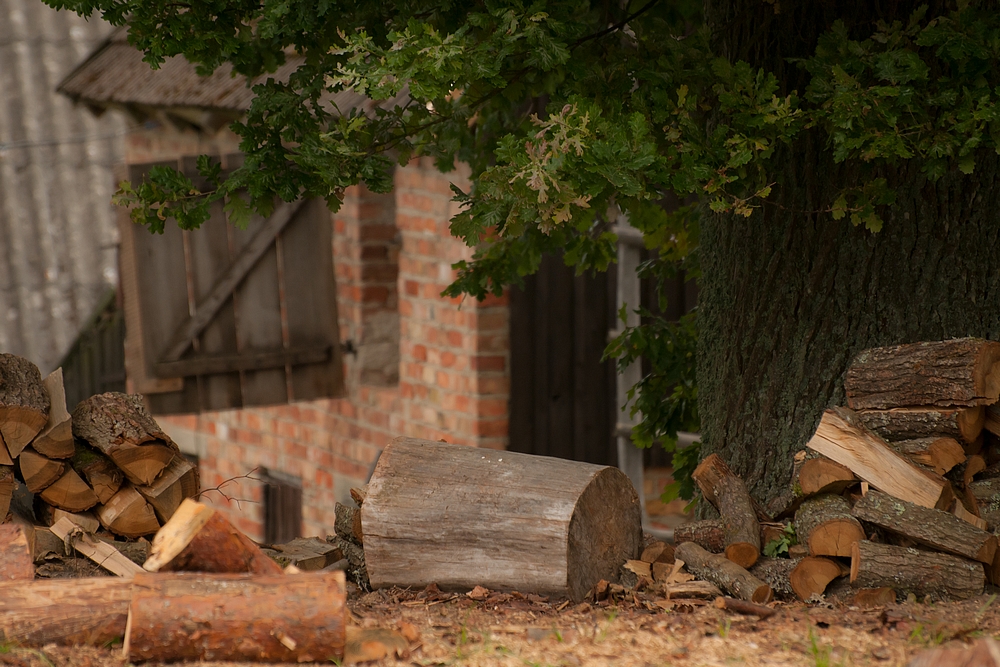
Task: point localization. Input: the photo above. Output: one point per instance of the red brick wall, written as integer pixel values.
(423, 366)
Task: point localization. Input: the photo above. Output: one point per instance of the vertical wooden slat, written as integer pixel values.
(560, 353)
(311, 299)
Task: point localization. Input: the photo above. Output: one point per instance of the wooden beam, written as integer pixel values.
(231, 363)
(223, 288)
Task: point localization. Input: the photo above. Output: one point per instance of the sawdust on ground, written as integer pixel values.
(523, 631)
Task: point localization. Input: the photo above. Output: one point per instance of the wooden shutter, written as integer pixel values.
(282, 507)
(222, 317)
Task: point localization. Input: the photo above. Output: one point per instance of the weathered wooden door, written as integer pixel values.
(223, 317)
(562, 394)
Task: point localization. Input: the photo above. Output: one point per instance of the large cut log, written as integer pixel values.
(936, 454)
(812, 574)
(741, 532)
(70, 493)
(128, 514)
(199, 539)
(24, 405)
(776, 573)
(61, 611)
(178, 481)
(941, 576)
(724, 573)
(118, 426)
(56, 439)
(16, 563)
(960, 371)
(961, 423)
(237, 617)
(841, 437)
(935, 528)
(825, 525)
(37, 471)
(7, 485)
(503, 520)
(100, 473)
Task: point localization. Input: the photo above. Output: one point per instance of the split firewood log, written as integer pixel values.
(128, 514)
(70, 493)
(7, 484)
(812, 474)
(936, 454)
(932, 527)
(178, 481)
(727, 492)
(724, 573)
(825, 525)
(118, 426)
(198, 539)
(24, 405)
(233, 617)
(101, 474)
(37, 471)
(812, 574)
(56, 439)
(961, 371)
(964, 424)
(991, 421)
(841, 437)
(922, 573)
(498, 519)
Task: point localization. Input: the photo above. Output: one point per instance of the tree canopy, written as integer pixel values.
(568, 111)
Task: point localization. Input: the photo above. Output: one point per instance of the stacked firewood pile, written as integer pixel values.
(108, 461)
(897, 493)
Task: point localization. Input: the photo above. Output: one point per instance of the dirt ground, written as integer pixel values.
(524, 631)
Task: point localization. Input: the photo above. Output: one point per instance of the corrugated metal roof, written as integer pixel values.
(115, 75)
(57, 232)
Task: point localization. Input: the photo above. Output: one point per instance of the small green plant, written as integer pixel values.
(724, 628)
(778, 547)
(822, 654)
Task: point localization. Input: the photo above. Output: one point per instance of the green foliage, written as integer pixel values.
(570, 112)
(778, 548)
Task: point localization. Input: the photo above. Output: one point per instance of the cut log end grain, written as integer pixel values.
(70, 493)
(741, 531)
(142, 464)
(821, 475)
(128, 514)
(961, 371)
(197, 538)
(825, 525)
(724, 573)
(178, 481)
(24, 404)
(812, 574)
(922, 573)
(37, 471)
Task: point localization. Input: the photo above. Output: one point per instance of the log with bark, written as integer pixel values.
(812, 574)
(936, 454)
(776, 573)
(825, 525)
(956, 372)
(101, 474)
(233, 617)
(727, 492)
(964, 424)
(198, 539)
(932, 527)
(841, 437)
(724, 573)
(922, 573)
(119, 426)
(24, 405)
(503, 520)
(706, 533)
(75, 612)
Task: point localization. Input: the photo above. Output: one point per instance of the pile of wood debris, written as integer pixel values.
(897, 494)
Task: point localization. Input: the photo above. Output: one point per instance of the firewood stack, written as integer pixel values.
(108, 460)
(897, 493)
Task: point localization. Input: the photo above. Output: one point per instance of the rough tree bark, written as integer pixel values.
(789, 297)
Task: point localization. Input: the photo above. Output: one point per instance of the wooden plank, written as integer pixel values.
(311, 302)
(250, 254)
(252, 361)
(96, 550)
(210, 258)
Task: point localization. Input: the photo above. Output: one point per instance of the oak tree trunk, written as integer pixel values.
(790, 296)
